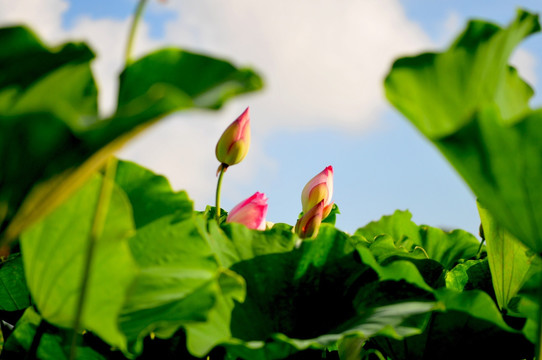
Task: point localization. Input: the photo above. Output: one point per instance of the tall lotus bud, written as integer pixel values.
(319, 188)
(250, 212)
(232, 147)
(309, 224)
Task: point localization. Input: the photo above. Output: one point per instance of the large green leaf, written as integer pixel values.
(42, 103)
(233, 242)
(439, 93)
(180, 282)
(313, 296)
(474, 108)
(54, 253)
(405, 238)
(151, 195)
(14, 294)
(201, 80)
(511, 262)
(50, 116)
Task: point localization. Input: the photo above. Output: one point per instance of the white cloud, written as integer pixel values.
(324, 61)
(44, 16)
(108, 39)
(451, 27)
(526, 64)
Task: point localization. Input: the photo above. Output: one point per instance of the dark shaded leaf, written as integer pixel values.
(14, 294)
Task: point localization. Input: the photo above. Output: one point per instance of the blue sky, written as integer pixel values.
(323, 105)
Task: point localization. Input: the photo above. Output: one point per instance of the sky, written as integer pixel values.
(323, 62)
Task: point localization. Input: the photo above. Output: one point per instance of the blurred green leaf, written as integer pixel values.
(14, 294)
(202, 81)
(474, 108)
(440, 92)
(405, 238)
(54, 252)
(50, 121)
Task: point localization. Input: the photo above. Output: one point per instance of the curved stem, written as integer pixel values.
(221, 170)
(133, 28)
(96, 230)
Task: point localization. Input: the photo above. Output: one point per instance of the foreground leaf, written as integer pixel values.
(200, 80)
(481, 120)
(54, 252)
(50, 119)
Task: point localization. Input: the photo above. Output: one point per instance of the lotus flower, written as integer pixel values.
(250, 212)
(309, 224)
(319, 188)
(232, 147)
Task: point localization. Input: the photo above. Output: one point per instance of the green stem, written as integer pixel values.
(221, 169)
(133, 28)
(479, 253)
(95, 232)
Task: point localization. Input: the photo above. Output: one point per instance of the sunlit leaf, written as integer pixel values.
(235, 242)
(151, 195)
(510, 261)
(54, 253)
(480, 119)
(405, 238)
(203, 81)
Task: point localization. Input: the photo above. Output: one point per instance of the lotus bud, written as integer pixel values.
(309, 224)
(319, 188)
(250, 212)
(232, 147)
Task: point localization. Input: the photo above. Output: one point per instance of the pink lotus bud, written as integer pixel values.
(309, 224)
(319, 188)
(232, 147)
(251, 212)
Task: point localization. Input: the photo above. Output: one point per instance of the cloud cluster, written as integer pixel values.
(323, 62)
